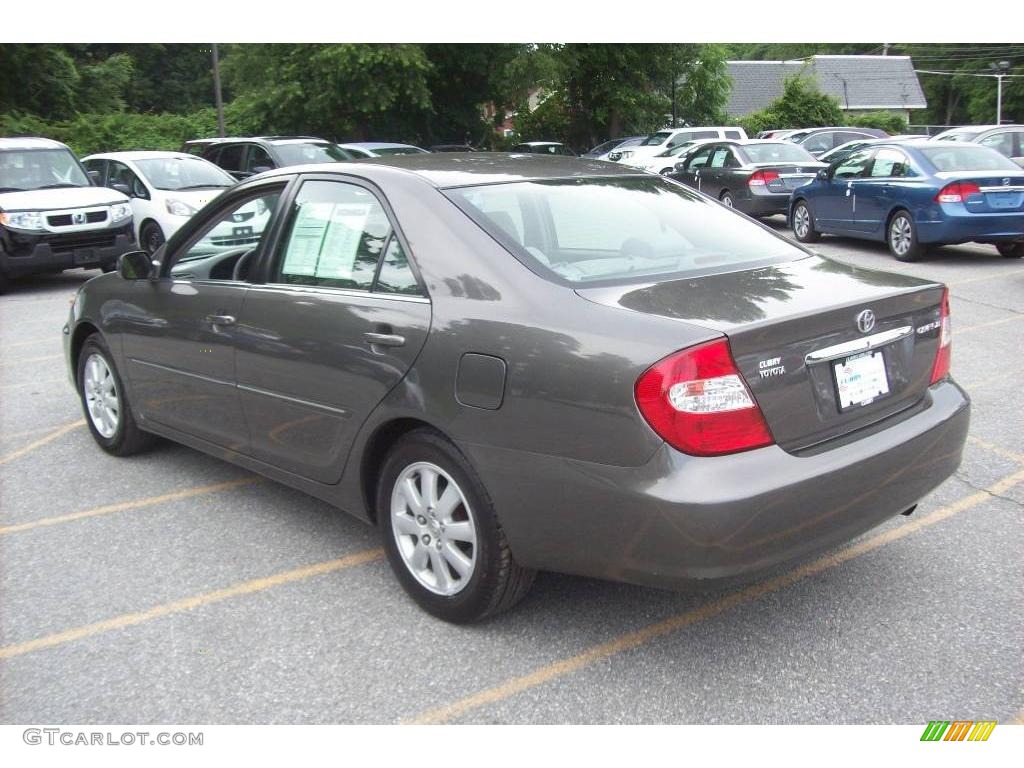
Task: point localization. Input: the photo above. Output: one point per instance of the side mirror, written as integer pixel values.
(95, 177)
(135, 265)
(823, 174)
(121, 187)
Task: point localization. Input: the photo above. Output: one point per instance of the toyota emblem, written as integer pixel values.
(866, 321)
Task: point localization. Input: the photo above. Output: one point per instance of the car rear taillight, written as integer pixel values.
(957, 192)
(942, 356)
(761, 178)
(697, 402)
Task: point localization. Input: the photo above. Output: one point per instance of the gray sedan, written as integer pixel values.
(513, 363)
(754, 176)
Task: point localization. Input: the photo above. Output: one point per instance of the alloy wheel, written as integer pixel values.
(101, 396)
(801, 221)
(901, 235)
(434, 528)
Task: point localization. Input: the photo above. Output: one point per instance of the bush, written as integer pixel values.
(886, 121)
(118, 131)
(801, 105)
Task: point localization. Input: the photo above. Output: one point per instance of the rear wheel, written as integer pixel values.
(726, 198)
(803, 224)
(1011, 250)
(442, 535)
(902, 237)
(105, 402)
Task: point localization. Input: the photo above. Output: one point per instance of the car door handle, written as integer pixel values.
(221, 319)
(384, 339)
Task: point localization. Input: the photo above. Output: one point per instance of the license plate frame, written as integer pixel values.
(860, 380)
(1003, 200)
(83, 256)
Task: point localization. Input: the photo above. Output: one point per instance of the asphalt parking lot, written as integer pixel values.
(173, 587)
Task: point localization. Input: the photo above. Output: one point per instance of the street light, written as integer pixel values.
(1001, 69)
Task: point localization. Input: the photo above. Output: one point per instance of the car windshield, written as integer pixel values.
(959, 157)
(678, 148)
(311, 152)
(656, 138)
(959, 136)
(607, 146)
(385, 151)
(777, 152)
(611, 230)
(173, 173)
(26, 169)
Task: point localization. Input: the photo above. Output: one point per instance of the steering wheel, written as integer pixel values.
(240, 265)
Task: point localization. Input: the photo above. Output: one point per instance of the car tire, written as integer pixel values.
(726, 198)
(151, 237)
(427, 490)
(802, 222)
(901, 237)
(105, 402)
(667, 171)
(4, 282)
(1011, 250)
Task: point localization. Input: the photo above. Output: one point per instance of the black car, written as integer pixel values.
(451, 148)
(754, 176)
(245, 157)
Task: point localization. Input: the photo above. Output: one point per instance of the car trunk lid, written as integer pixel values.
(787, 176)
(797, 333)
(987, 191)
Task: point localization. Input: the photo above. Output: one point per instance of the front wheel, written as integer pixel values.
(442, 535)
(151, 237)
(902, 238)
(803, 224)
(1011, 250)
(726, 199)
(105, 402)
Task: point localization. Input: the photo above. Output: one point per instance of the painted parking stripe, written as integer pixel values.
(997, 449)
(57, 433)
(651, 632)
(124, 506)
(190, 603)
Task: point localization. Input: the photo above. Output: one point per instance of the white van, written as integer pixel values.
(669, 139)
(52, 216)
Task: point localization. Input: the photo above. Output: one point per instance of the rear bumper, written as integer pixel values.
(23, 254)
(764, 203)
(957, 225)
(679, 518)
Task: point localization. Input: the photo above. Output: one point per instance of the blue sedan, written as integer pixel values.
(915, 194)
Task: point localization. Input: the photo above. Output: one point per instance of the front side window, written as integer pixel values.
(656, 139)
(1000, 142)
(335, 236)
(125, 180)
(619, 229)
(230, 157)
(259, 160)
(23, 170)
(235, 233)
(820, 142)
(719, 157)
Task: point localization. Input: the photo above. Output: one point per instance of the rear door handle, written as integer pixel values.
(384, 339)
(221, 319)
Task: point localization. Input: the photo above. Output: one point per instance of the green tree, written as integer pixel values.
(336, 91)
(38, 79)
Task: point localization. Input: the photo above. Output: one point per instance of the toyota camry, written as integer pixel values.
(521, 363)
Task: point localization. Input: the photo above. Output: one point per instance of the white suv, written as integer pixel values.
(52, 217)
(670, 138)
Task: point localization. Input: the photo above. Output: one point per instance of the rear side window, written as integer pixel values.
(611, 230)
(230, 157)
(1000, 142)
(732, 135)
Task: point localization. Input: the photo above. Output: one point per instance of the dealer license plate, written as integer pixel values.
(860, 379)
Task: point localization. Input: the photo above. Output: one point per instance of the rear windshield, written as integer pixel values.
(609, 230)
(26, 169)
(959, 157)
(385, 151)
(959, 136)
(782, 152)
(300, 154)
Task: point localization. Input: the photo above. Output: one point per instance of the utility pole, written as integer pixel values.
(216, 92)
(885, 48)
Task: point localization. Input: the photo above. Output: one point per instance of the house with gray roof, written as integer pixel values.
(860, 83)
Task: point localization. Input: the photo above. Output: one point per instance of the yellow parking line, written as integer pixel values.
(997, 449)
(980, 278)
(702, 613)
(124, 506)
(189, 603)
(33, 359)
(59, 432)
(979, 326)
